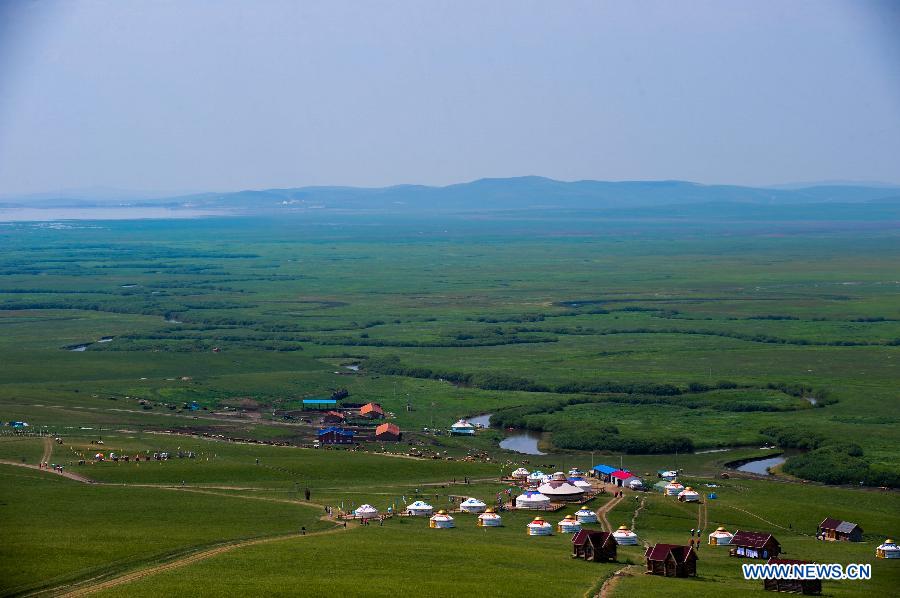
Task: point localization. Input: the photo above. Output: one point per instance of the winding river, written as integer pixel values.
(522, 441)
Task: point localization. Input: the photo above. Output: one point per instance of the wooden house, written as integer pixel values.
(754, 545)
(840, 531)
(387, 433)
(333, 417)
(671, 560)
(372, 411)
(335, 435)
(594, 546)
(792, 586)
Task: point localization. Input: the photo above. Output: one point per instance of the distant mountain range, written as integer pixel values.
(494, 194)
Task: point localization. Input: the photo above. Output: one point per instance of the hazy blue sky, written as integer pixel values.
(219, 95)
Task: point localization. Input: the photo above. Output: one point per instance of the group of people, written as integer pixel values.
(54, 466)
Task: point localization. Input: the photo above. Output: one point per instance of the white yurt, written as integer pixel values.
(888, 550)
(625, 536)
(688, 495)
(489, 519)
(720, 537)
(521, 473)
(537, 476)
(585, 515)
(669, 476)
(441, 520)
(673, 488)
(576, 473)
(539, 527)
(472, 505)
(366, 512)
(532, 500)
(634, 483)
(420, 508)
(569, 525)
(559, 488)
(580, 482)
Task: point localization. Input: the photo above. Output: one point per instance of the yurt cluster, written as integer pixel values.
(551, 491)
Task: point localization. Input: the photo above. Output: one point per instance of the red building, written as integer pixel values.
(372, 411)
(333, 417)
(671, 560)
(387, 432)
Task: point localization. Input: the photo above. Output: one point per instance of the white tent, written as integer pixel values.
(569, 525)
(580, 482)
(688, 495)
(539, 527)
(420, 508)
(537, 476)
(490, 519)
(441, 520)
(561, 489)
(635, 483)
(624, 536)
(888, 550)
(720, 537)
(532, 500)
(576, 473)
(669, 475)
(520, 474)
(472, 505)
(585, 515)
(366, 512)
(673, 488)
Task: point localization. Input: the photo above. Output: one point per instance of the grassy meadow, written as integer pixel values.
(618, 339)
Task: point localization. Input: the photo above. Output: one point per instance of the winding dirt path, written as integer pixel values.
(65, 474)
(602, 511)
(182, 562)
(48, 450)
(609, 586)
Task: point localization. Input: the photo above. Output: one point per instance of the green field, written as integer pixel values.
(622, 340)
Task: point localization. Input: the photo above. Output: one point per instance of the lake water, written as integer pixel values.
(79, 348)
(481, 420)
(759, 466)
(524, 441)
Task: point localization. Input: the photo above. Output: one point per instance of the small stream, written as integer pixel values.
(761, 466)
(522, 441)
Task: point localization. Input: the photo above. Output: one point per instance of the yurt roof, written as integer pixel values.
(473, 502)
(366, 508)
(533, 496)
(585, 511)
(419, 504)
(559, 488)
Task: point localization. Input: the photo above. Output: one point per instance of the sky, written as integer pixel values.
(173, 96)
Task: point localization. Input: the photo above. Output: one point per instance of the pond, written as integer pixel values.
(523, 441)
(353, 367)
(761, 466)
(79, 348)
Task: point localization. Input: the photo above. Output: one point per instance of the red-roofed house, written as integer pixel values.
(754, 545)
(372, 411)
(792, 586)
(594, 546)
(622, 478)
(671, 560)
(333, 417)
(387, 432)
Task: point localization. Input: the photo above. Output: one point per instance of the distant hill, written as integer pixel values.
(519, 193)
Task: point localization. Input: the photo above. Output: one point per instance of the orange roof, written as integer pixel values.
(387, 428)
(371, 408)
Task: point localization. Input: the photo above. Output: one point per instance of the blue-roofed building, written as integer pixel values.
(335, 435)
(603, 471)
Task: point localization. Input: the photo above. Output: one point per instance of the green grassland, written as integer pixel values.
(587, 329)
